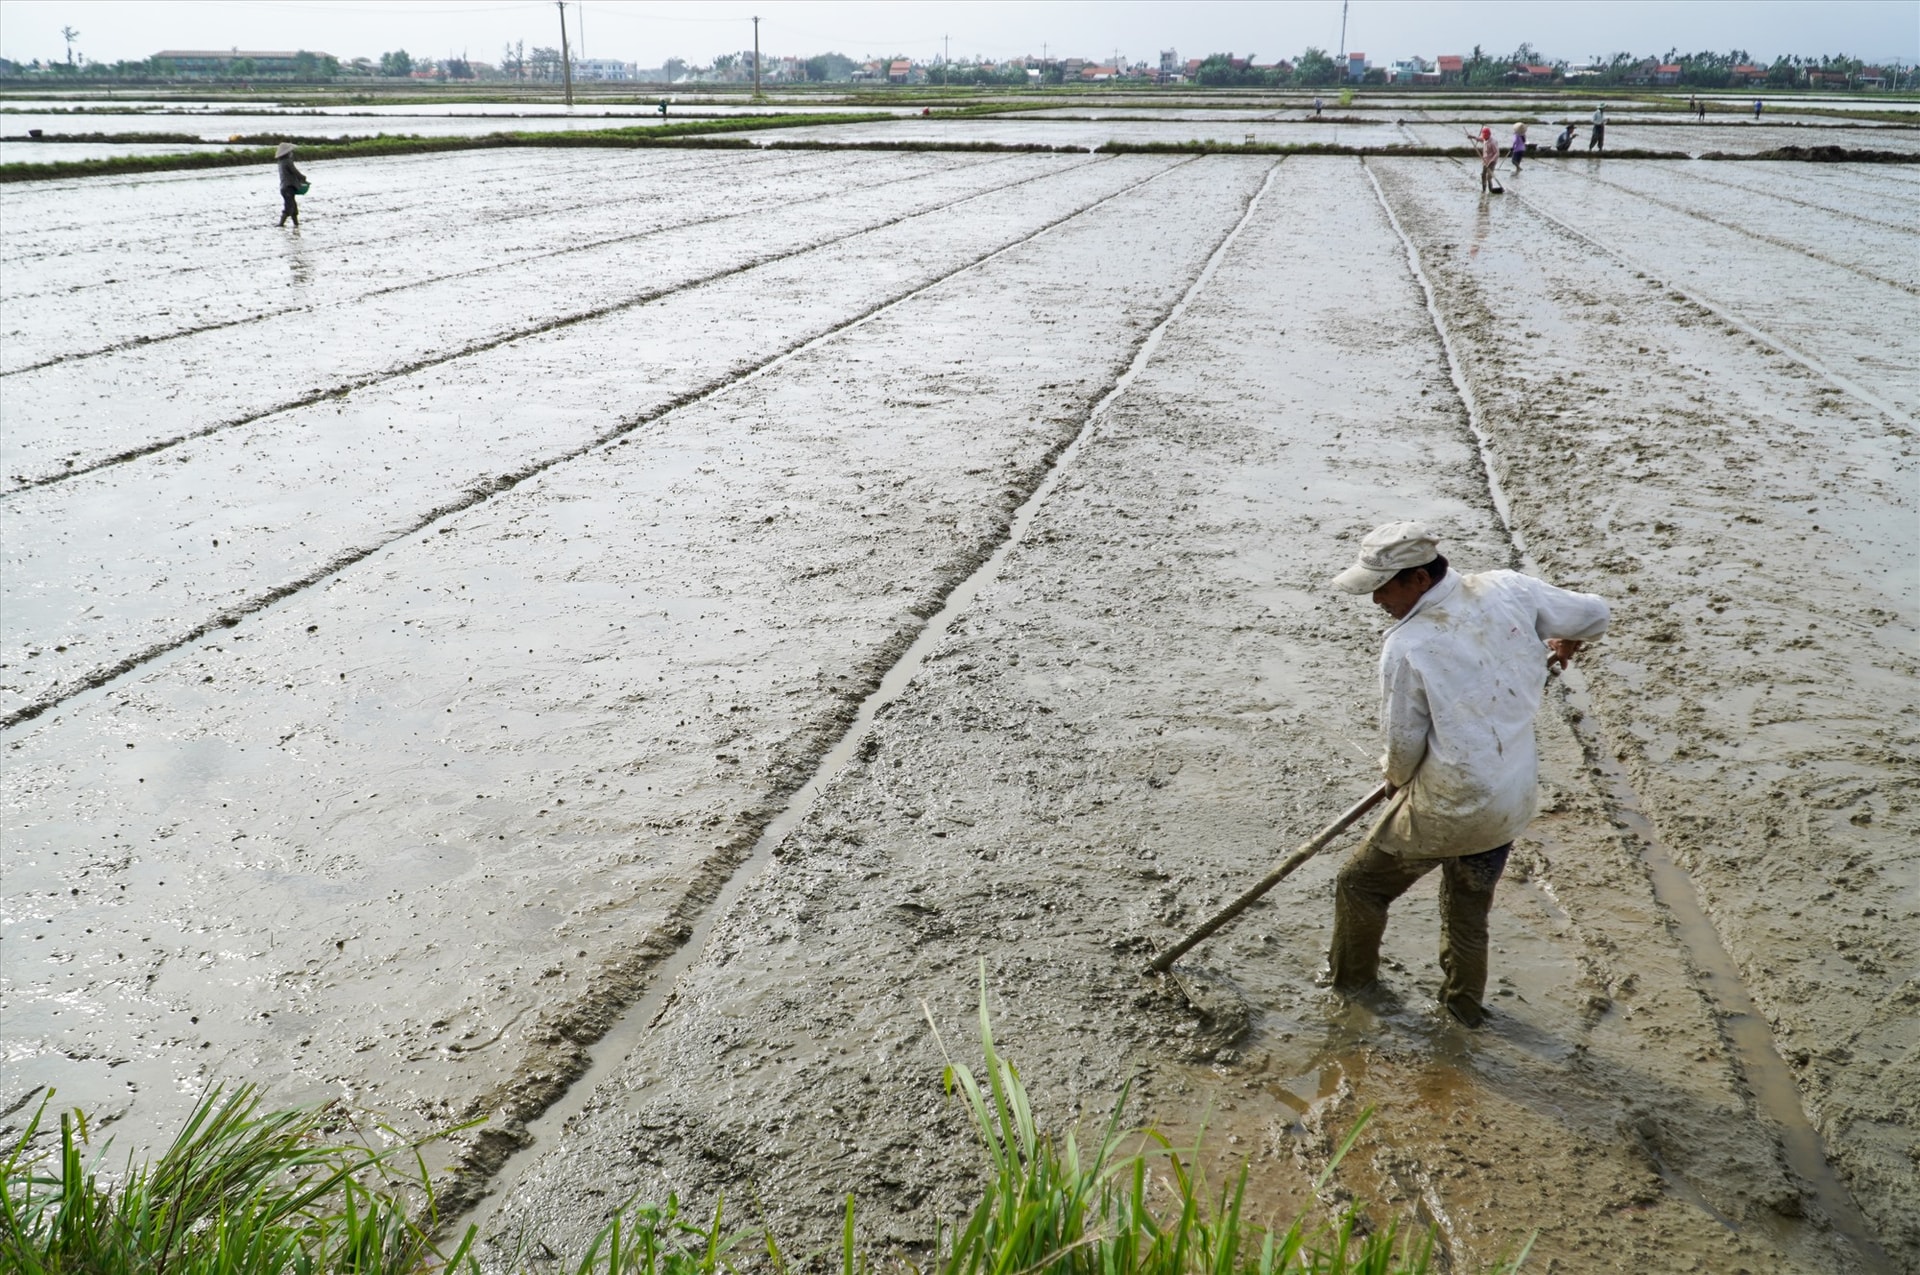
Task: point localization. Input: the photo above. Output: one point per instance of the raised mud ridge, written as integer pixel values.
(486, 1170)
(62, 171)
(479, 493)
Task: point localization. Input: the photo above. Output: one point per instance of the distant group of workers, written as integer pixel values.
(1489, 150)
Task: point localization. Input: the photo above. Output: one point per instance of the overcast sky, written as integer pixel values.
(647, 33)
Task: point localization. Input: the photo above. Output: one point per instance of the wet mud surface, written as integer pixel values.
(439, 641)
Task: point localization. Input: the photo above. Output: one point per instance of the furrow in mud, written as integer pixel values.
(1153, 697)
(149, 268)
(247, 305)
(418, 832)
(311, 500)
(1761, 710)
(1773, 183)
(1873, 257)
(612, 1053)
(308, 328)
(61, 404)
(1799, 307)
(215, 215)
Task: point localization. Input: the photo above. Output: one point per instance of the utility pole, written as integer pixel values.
(1343, 36)
(566, 58)
(946, 57)
(580, 21)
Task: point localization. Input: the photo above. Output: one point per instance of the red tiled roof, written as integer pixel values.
(1668, 68)
(1448, 62)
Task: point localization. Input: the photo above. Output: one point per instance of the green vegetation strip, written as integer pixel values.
(699, 135)
(690, 131)
(242, 1192)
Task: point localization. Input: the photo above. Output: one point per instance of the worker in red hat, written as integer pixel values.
(1489, 156)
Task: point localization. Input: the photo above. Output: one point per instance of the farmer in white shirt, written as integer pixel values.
(1462, 671)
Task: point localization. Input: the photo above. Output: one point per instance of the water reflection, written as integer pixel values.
(299, 259)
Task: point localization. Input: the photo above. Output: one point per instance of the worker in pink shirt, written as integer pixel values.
(1489, 156)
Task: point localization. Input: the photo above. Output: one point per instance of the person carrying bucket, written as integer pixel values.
(1519, 149)
(1489, 156)
(1462, 672)
(293, 182)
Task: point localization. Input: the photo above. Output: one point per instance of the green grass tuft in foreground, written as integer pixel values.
(242, 1192)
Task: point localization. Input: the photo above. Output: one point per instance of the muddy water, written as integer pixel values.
(1155, 696)
(578, 610)
(374, 463)
(1865, 351)
(370, 846)
(247, 267)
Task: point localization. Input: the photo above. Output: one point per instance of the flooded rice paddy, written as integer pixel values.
(1371, 121)
(593, 639)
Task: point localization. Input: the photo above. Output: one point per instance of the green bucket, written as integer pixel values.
(303, 188)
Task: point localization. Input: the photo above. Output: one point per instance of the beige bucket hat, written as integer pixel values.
(1387, 549)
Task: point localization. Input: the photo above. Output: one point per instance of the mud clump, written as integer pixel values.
(1823, 155)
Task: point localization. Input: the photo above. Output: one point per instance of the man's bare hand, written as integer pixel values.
(1561, 652)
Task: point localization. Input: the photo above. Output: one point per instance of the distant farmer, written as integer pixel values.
(1519, 150)
(1699, 110)
(1316, 106)
(1462, 671)
(1756, 108)
(1597, 137)
(1565, 140)
(1693, 104)
(1489, 155)
(291, 180)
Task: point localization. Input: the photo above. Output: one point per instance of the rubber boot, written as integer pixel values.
(1466, 898)
(1369, 881)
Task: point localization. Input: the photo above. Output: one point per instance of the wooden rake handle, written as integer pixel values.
(1164, 962)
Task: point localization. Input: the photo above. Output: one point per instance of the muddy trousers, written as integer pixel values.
(1372, 879)
(288, 208)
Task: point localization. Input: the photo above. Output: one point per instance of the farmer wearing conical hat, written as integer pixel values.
(291, 180)
(1462, 672)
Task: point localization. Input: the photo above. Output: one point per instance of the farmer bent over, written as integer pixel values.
(1462, 671)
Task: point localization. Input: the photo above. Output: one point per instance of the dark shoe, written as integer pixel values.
(1467, 1013)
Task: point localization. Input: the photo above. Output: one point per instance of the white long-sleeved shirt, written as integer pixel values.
(1461, 678)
